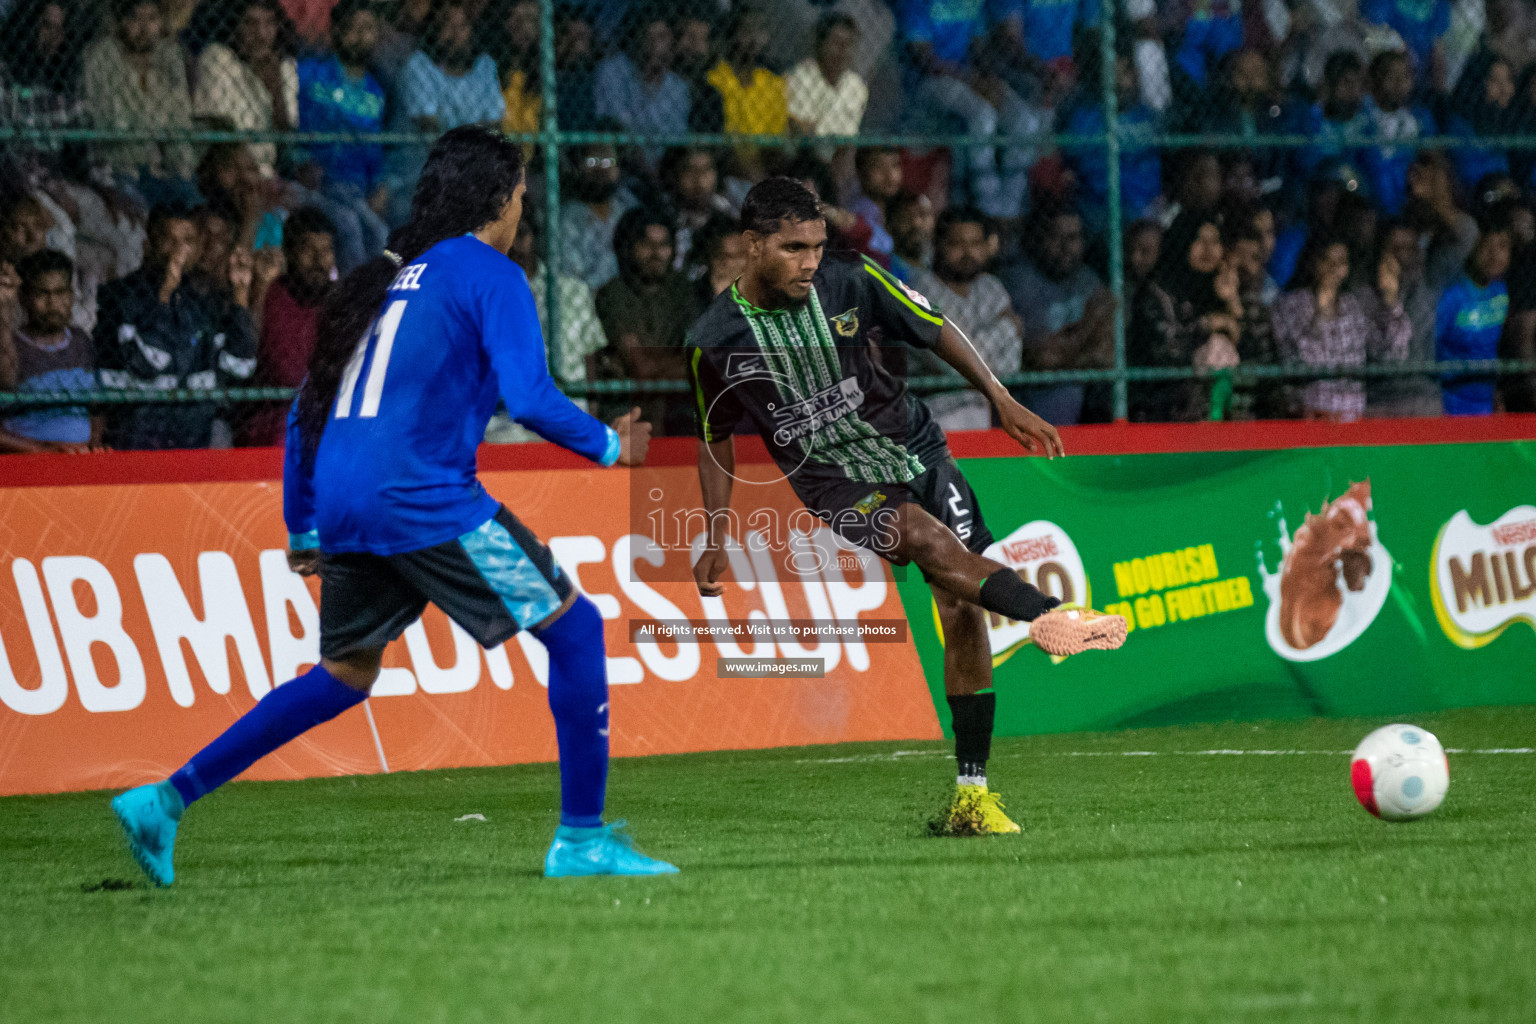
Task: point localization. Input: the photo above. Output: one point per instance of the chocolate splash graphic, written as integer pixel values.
(1335, 542)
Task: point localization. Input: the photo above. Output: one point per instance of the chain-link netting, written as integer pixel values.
(1199, 209)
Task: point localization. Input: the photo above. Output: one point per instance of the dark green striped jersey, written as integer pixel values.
(823, 382)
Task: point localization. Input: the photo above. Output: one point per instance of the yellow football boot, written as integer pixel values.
(975, 811)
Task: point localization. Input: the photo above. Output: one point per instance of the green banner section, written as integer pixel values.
(1328, 581)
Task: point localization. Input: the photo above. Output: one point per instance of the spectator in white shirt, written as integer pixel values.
(974, 301)
(826, 96)
(247, 78)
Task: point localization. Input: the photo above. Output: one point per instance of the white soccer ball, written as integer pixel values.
(1400, 772)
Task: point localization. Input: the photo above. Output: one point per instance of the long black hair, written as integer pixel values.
(632, 228)
(1313, 251)
(470, 175)
(1174, 274)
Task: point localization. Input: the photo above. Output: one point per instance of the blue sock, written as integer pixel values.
(578, 697)
(291, 709)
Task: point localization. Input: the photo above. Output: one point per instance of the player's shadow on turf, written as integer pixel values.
(1019, 845)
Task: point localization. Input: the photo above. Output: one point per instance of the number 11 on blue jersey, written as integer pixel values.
(383, 332)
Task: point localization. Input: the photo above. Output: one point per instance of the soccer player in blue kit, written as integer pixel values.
(381, 499)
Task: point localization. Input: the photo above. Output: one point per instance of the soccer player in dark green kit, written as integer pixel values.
(808, 347)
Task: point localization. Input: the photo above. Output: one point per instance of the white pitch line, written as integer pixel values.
(378, 744)
(864, 758)
(1494, 750)
(876, 757)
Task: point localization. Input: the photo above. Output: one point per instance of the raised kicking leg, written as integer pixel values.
(960, 572)
(956, 570)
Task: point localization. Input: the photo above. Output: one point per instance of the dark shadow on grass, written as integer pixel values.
(1025, 855)
(356, 878)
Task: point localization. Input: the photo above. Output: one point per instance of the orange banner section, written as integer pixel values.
(140, 620)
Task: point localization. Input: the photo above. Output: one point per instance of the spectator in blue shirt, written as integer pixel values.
(1483, 106)
(1141, 174)
(939, 32)
(1338, 118)
(638, 88)
(449, 82)
(1423, 25)
(1046, 27)
(1470, 320)
(1397, 123)
(1212, 29)
(339, 94)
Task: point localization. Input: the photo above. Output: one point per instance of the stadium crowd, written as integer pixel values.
(141, 261)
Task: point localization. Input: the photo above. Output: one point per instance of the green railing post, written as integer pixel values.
(1111, 101)
(550, 140)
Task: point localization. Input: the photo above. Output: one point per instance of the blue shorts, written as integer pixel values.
(494, 581)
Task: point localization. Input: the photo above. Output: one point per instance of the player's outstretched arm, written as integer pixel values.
(534, 401)
(717, 466)
(512, 337)
(1018, 422)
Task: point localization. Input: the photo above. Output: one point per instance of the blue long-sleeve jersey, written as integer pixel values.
(395, 470)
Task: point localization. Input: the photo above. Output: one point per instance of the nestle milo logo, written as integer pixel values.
(1483, 578)
(1042, 553)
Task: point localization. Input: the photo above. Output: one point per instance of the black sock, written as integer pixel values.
(973, 714)
(1005, 593)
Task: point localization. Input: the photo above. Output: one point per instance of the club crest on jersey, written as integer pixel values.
(745, 364)
(869, 503)
(847, 323)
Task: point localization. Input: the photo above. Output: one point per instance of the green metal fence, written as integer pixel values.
(551, 140)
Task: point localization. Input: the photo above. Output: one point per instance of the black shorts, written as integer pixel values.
(493, 581)
(864, 514)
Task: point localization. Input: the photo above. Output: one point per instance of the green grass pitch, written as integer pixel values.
(1176, 887)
